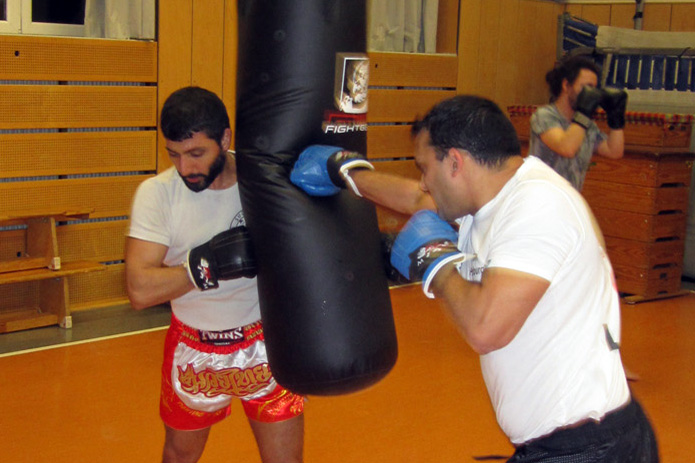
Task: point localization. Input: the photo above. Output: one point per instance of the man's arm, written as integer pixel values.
(227, 256)
(614, 146)
(490, 313)
(400, 194)
(323, 170)
(148, 281)
(564, 143)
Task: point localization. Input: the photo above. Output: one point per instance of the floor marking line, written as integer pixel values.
(83, 341)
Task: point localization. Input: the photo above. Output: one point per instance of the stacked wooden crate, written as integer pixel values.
(641, 200)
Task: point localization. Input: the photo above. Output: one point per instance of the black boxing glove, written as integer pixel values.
(227, 256)
(587, 102)
(614, 102)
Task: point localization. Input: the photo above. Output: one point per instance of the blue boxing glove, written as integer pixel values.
(425, 244)
(322, 170)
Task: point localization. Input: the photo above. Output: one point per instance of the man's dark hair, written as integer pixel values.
(194, 109)
(473, 124)
(568, 69)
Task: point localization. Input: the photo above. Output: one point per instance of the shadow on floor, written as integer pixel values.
(88, 324)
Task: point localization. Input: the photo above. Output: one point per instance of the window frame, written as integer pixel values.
(13, 24)
(19, 21)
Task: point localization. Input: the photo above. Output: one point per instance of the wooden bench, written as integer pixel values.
(78, 121)
(40, 261)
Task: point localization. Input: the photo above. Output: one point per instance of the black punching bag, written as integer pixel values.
(324, 298)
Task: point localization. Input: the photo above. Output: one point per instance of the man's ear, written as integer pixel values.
(565, 85)
(456, 160)
(226, 139)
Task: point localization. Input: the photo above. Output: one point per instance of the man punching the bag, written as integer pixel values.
(187, 244)
(524, 276)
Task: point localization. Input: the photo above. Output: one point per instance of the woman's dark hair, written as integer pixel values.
(568, 69)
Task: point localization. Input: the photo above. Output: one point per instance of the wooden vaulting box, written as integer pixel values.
(77, 136)
(640, 201)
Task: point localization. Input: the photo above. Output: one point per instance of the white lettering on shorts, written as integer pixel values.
(222, 338)
(208, 381)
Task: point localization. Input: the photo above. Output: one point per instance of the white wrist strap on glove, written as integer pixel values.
(188, 270)
(456, 258)
(345, 172)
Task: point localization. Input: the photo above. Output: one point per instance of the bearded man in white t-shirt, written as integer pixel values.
(187, 245)
(525, 278)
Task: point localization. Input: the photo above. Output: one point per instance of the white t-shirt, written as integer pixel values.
(165, 211)
(559, 368)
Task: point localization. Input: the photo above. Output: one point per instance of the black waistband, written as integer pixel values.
(613, 424)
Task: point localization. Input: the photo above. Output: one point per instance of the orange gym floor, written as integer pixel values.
(97, 400)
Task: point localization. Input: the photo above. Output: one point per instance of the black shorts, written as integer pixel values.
(624, 435)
